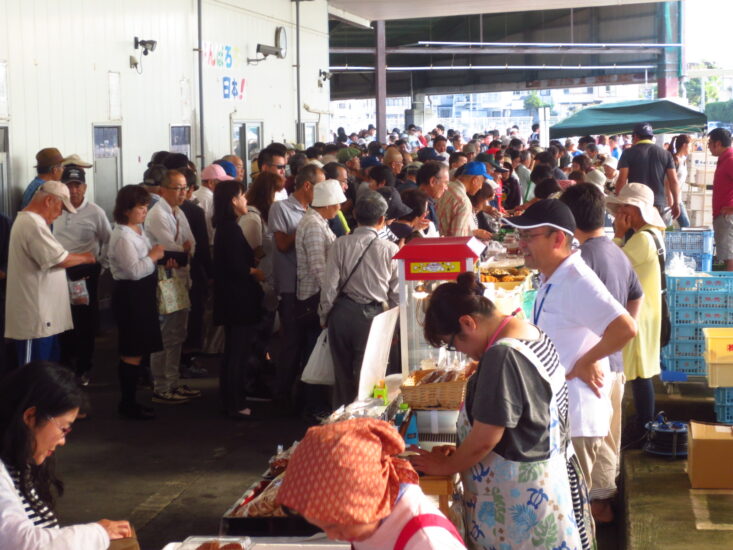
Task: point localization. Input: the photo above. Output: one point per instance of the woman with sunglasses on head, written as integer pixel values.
(520, 490)
(38, 405)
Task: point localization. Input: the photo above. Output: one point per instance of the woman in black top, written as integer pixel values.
(237, 296)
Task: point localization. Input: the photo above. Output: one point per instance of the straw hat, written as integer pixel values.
(641, 196)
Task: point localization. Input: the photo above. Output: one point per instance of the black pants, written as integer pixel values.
(290, 361)
(195, 331)
(348, 332)
(236, 372)
(77, 344)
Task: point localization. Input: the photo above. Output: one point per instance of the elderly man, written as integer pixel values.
(454, 209)
(85, 230)
(166, 225)
(432, 179)
(48, 168)
(283, 221)
(584, 321)
(361, 278)
(238, 165)
(394, 159)
(204, 195)
(37, 306)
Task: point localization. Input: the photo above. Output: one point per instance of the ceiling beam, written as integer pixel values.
(519, 50)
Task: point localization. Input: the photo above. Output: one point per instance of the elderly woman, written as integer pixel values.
(360, 279)
(633, 208)
(513, 437)
(38, 405)
(132, 261)
(345, 479)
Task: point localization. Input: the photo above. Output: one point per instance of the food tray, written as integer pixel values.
(192, 543)
(440, 396)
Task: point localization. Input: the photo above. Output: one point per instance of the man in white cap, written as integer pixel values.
(313, 239)
(634, 209)
(37, 307)
(204, 195)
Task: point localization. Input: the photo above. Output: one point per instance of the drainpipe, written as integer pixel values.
(299, 134)
(202, 150)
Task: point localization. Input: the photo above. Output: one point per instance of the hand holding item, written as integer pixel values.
(156, 253)
(187, 246)
(257, 274)
(89, 258)
(431, 463)
(482, 234)
(591, 374)
(116, 529)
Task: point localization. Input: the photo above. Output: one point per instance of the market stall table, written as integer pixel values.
(440, 486)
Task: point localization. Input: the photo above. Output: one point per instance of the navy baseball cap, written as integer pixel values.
(73, 174)
(368, 162)
(427, 153)
(475, 168)
(545, 213)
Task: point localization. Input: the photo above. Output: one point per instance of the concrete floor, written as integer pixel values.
(175, 476)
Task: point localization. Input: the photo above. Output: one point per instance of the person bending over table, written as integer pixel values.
(520, 488)
(38, 405)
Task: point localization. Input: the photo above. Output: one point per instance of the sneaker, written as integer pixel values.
(184, 391)
(193, 371)
(169, 398)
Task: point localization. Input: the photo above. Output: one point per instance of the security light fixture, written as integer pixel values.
(146, 45)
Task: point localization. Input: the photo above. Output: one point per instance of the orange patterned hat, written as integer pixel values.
(345, 473)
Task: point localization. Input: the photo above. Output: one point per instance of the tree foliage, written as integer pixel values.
(720, 110)
(712, 84)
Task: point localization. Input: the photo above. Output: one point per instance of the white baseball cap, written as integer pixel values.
(58, 189)
(327, 193)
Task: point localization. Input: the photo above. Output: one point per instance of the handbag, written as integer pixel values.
(665, 333)
(172, 292)
(319, 368)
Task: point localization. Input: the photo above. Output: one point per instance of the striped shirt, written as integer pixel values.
(313, 238)
(36, 510)
(455, 212)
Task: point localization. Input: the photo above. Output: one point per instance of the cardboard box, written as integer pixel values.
(710, 454)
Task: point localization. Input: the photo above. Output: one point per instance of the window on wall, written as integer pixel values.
(181, 140)
(247, 142)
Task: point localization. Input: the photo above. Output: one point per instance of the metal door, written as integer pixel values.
(247, 143)
(107, 166)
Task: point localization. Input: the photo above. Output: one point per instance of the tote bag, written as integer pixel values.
(319, 369)
(172, 293)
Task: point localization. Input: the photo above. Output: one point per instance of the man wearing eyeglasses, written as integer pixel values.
(166, 225)
(581, 317)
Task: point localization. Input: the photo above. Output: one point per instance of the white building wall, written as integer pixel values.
(59, 55)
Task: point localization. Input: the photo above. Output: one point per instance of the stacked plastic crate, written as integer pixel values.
(701, 300)
(694, 243)
(719, 360)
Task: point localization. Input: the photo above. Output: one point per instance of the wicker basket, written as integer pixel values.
(437, 396)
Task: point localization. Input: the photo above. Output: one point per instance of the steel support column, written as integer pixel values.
(380, 79)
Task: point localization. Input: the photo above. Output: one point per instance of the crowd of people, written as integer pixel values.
(228, 260)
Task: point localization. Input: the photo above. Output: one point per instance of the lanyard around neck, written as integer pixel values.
(538, 310)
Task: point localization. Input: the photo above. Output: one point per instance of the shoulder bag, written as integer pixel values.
(666, 328)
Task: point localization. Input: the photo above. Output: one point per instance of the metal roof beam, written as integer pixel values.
(428, 50)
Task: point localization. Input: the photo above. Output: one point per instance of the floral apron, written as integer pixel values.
(523, 505)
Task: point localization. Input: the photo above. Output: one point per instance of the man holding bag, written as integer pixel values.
(313, 239)
(167, 226)
(361, 277)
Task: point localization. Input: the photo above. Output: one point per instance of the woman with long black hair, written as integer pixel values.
(237, 297)
(38, 405)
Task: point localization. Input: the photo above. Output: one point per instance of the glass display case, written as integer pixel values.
(423, 265)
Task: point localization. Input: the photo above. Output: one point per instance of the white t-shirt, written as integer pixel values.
(37, 303)
(205, 199)
(574, 308)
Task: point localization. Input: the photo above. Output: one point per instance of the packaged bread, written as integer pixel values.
(264, 506)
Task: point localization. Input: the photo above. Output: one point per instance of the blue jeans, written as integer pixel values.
(684, 219)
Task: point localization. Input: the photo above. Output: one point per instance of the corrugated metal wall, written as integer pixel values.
(59, 55)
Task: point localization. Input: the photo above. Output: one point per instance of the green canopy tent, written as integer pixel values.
(619, 118)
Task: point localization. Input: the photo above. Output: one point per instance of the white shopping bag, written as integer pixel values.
(319, 369)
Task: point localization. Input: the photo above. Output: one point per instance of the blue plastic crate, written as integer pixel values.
(715, 281)
(724, 413)
(693, 240)
(711, 300)
(692, 366)
(714, 317)
(723, 396)
(683, 299)
(687, 332)
(684, 316)
(684, 348)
